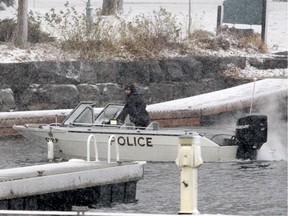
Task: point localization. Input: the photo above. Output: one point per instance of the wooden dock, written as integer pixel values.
(59, 186)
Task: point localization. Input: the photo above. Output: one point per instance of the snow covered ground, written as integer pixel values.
(203, 16)
(204, 13)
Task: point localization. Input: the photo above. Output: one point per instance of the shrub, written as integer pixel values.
(243, 38)
(253, 41)
(146, 36)
(35, 35)
(7, 27)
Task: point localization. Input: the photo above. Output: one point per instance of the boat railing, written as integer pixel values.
(112, 139)
(93, 125)
(95, 147)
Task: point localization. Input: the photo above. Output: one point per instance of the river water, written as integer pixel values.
(234, 188)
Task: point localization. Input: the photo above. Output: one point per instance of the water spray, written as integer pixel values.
(252, 98)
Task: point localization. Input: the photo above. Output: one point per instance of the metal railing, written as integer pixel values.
(95, 147)
(112, 139)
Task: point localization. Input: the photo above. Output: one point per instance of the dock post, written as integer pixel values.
(50, 154)
(189, 159)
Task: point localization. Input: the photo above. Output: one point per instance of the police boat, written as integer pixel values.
(71, 137)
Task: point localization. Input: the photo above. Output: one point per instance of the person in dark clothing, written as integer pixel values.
(135, 107)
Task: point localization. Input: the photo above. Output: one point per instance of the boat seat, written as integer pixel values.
(153, 126)
(128, 125)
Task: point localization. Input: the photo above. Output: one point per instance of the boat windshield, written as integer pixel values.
(110, 112)
(83, 113)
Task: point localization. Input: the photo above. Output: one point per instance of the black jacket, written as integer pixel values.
(135, 107)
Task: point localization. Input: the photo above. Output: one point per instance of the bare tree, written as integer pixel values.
(112, 7)
(190, 20)
(21, 36)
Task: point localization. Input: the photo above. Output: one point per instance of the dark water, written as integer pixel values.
(237, 187)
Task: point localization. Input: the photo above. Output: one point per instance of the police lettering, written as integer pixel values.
(135, 141)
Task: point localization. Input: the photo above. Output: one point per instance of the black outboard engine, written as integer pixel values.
(251, 134)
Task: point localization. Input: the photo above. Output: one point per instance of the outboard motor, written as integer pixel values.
(251, 134)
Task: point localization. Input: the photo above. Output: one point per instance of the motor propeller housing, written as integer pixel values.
(251, 134)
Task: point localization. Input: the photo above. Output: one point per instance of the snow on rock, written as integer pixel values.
(51, 52)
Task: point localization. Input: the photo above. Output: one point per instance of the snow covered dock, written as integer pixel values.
(59, 186)
(192, 110)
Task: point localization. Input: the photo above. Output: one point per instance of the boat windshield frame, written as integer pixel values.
(108, 114)
(83, 115)
(79, 111)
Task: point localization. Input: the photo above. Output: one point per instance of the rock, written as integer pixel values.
(268, 63)
(110, 92)
(156, 75)
(136, 72)
(50, 72)
(160, 92)
(173, 70)
(256, 62)
(99, 72)
(239, 62)
(7, 102)
(17, 74)
(50, 96)
(182, 69)
(212, 65)
(283, 54)
(88, 92)
(275, 63)
(191, 68)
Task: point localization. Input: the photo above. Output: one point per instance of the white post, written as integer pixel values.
(50, 147)
(252, 97)
(189, 159)
(89, 9)
(189, 20)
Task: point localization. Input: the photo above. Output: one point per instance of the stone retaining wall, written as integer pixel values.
(62, 85)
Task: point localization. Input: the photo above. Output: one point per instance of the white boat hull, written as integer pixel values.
(133, 145)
